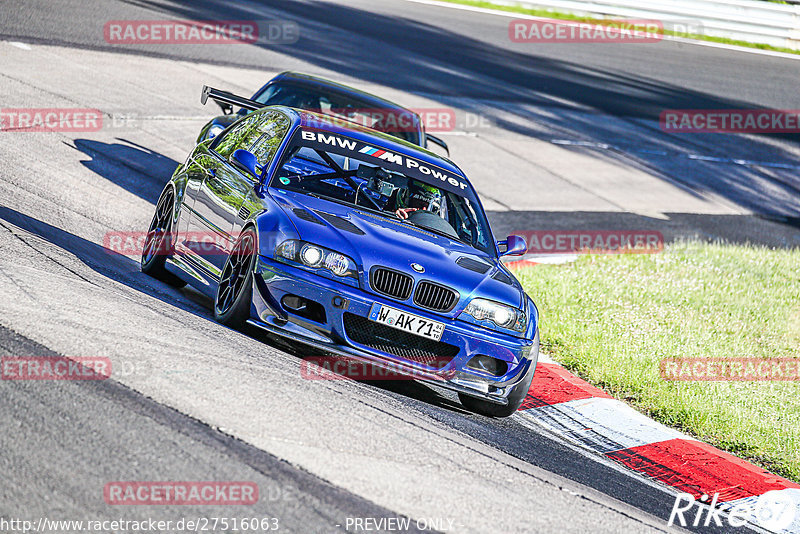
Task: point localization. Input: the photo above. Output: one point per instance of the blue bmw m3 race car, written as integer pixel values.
(351, 241)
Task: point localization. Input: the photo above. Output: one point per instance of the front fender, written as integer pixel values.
(273, 227)
(533, 321)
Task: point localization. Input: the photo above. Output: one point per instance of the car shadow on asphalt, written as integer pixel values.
(135, 168)
(322, 366)
(674, 227)
(106, 262)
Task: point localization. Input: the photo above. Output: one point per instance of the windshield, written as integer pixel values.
(351, 172)
(398, 122)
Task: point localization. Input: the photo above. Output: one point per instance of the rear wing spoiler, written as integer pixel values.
(227, 100)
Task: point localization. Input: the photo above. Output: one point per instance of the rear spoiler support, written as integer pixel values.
(227, 100)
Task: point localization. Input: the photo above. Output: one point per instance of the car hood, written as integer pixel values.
(372, 241)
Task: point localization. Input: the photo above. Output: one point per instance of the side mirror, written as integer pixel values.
(438, 141)
(245, 161)
(515, 246)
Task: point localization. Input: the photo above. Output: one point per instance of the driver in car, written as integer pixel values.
(421, 197)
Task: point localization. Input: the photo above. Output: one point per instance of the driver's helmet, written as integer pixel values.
(424, 197)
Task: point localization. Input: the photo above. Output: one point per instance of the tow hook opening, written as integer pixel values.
(308, 309)
(487, 365)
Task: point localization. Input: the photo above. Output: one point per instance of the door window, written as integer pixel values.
(261, 133)
(274, 129)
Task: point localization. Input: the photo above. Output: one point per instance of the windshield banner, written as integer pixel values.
(423, 171)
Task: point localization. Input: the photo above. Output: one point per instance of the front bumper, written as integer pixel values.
(329, 331)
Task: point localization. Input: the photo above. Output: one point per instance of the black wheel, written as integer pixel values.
(158, 243)
(235, 290)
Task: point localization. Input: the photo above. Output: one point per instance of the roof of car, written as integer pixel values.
(317, 82)
(327, 123)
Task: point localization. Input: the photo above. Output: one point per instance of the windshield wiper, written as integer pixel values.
(339, 201)
(389, 215)
(324, 197)
(437, 232)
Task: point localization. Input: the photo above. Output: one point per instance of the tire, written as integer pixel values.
(158, 243)
(235, 290)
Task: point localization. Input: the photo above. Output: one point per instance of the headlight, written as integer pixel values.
(337, 263)
(499, 314)
(288, 250)
(316, 257)
(311, 255)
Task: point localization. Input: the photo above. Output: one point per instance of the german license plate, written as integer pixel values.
(407, 322)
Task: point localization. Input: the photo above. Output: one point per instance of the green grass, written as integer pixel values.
(611, 319)
(568, 16)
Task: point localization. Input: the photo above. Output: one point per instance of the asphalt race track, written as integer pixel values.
(560, 134)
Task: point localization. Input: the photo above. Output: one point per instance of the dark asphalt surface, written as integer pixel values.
(63, 441)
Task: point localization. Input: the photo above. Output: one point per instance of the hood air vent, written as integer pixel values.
(307, 216)
(473, 265)
(501, 276)
(342, 224)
